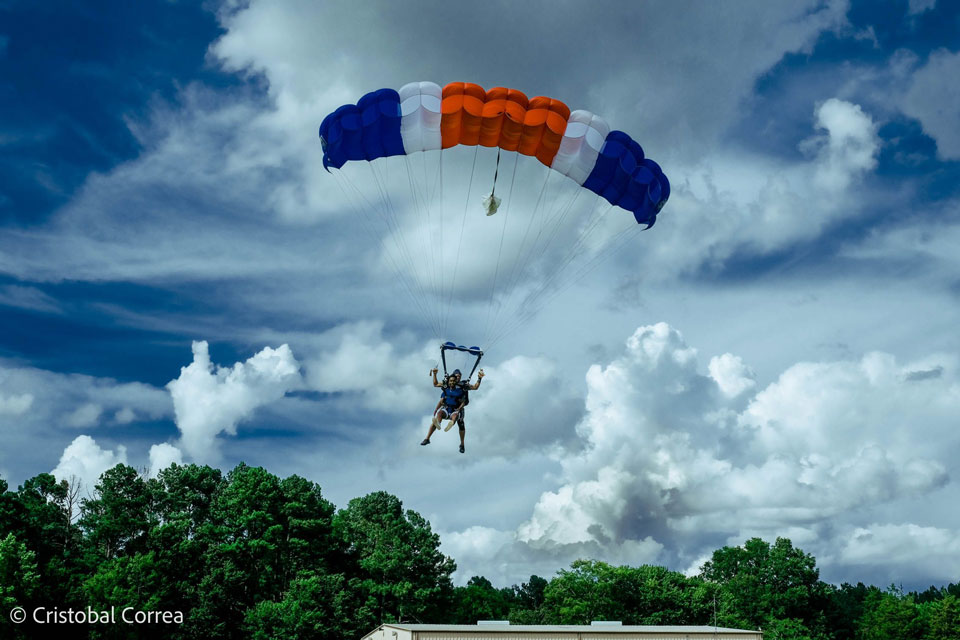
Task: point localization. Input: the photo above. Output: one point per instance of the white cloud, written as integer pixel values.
(920, 6)
(86, 415)
(209, 400)
(162, 456)
(731, 374)
(848, 149)
(28, 298)
(357, 359)
(673, 459)
(936, 102)
(125, 415)
(86, 460)
(16, 405)
(48, 407)
(901, 551)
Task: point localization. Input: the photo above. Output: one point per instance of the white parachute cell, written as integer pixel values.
(420, 116)
(580, 145)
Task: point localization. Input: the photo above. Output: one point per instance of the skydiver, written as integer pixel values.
(453, 399)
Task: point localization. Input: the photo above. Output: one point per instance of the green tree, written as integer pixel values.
(846, 608)
(315, 606)
(763, 583)
(128, 581)
(122, 513)
(593, 590)
(528, 602)
(37, 514)
(19, 582)
(943, 619)
(242, 558)
(308, 544)
(402, 575)
(480, 600)
(890, 614)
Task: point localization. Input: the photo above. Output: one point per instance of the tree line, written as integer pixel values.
(247, 554)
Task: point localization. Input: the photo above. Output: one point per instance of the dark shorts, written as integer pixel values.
(449, 411)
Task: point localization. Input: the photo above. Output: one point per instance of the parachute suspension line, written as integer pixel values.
(404, 250)
(553, 224)
(533, 301)
(557, 272)
(423, 235)
(515, 273)
(503, 233)
(556, 224)
(404, 276)
(405, 245)
(439, 294)
(542, 295)
(375, 231)
(620, 240)
(463, 222)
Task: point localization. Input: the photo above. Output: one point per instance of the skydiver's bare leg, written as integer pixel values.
(434, 425)
(462, 433)
(429, 433)
(453, 419)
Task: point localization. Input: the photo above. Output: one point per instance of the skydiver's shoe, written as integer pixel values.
(461, 448)
(426, 441)
(449, 424)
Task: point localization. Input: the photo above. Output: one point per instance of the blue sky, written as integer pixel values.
(179, 280)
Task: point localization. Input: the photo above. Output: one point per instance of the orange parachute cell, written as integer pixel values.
(502, 118)
(503, 115)
(543, 128)
(462, 113)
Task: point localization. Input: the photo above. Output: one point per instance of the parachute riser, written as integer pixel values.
(475, 351)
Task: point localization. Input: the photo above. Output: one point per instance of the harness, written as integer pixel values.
(453, 397)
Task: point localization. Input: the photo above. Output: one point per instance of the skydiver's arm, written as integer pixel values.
(434, 372)
(476, 385)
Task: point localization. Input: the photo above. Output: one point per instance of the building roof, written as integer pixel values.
(566, 628)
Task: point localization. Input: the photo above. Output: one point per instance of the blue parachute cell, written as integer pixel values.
(367, 130)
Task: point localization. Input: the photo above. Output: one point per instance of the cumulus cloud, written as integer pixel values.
(848, 149)
(162, 456)
(731, 374)
(677, 461)
(210, 399)
(898, 549)
(357, 359)
(503, 558)
(85, 460)
(523, 404)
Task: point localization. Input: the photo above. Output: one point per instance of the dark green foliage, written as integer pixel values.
(593, 590)
(402, 576)
(315, 606)
(890, 614)
(480, 600)
(251, 555)
(766, 583)
(943, 618)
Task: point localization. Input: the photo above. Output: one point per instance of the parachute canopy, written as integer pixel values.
(422, 117)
